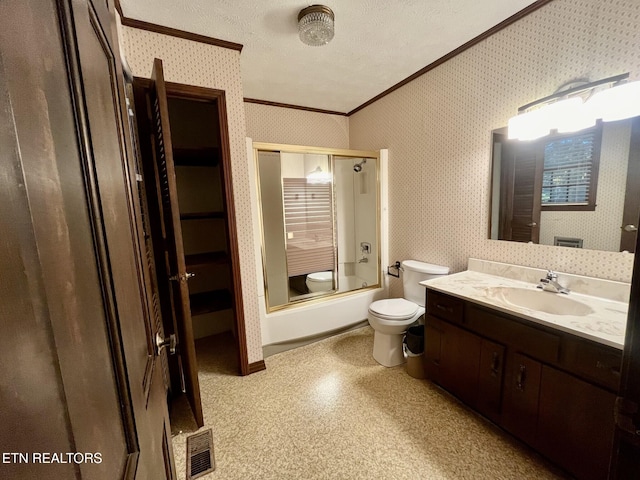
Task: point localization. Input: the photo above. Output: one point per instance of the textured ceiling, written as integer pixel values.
(364, 59)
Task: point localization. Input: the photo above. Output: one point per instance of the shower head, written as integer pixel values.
(358, 166)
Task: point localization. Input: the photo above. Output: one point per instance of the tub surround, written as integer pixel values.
(607, 299)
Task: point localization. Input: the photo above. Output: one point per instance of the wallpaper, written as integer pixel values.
(266, 123)
(437, 129)
(205, 65)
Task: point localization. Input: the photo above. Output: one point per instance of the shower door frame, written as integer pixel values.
(331, 153)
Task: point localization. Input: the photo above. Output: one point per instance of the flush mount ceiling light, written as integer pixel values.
(315, 25)
(566, 111)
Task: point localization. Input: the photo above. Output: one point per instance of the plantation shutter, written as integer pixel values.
(568, 170)
(308, 226)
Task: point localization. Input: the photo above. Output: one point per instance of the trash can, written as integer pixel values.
(414, 351)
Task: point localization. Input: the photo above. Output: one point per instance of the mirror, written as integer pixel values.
(319, 218)
(579, 190)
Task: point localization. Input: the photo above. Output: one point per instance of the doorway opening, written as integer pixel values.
(186, 164)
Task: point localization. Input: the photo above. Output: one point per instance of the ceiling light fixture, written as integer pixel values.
(577, 107)
(315, 25)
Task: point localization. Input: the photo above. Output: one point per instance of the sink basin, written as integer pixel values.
(548, 302)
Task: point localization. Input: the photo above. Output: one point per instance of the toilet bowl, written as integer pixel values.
(319, 282)
(391, 317)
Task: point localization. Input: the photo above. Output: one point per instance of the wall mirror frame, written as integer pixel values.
(319, 211)
(522, 178)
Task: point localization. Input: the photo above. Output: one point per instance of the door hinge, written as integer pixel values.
(624, 412)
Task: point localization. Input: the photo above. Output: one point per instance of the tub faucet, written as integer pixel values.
(550, 283)
(363, 260)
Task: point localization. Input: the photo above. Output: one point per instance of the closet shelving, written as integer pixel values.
(203, 220)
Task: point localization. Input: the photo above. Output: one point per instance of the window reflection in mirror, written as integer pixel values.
(579, 190)
(319, 217)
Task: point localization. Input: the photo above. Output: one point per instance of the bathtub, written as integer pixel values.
(319, 318)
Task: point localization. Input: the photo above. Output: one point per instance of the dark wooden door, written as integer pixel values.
(490, 375)
(521, 190)
(575, 424)
(625, 461)
(174, 267)
(80, 371)
(521, 392)
(631, 212)
(459, 362)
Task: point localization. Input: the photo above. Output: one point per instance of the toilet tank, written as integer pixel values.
(414, 272)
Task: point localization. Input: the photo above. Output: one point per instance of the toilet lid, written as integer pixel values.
(320, 276)
(394, 308)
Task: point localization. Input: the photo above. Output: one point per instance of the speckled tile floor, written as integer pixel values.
(329, 411)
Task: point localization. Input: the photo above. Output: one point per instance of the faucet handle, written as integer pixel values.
(551, 275)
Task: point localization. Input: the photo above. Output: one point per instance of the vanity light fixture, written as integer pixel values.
(318, 176)
(316, 25)
(566, 111)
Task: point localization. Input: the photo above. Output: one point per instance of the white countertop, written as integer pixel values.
(606, 324)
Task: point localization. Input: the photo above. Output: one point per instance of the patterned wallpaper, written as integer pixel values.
(213, 67)
(266, 123)
(437, 129)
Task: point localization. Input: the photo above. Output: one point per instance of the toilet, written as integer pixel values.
(319, 282)
(390, 318)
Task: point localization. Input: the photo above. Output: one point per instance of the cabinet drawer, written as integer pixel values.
(536, 343)
(598, 363)
(445, 307)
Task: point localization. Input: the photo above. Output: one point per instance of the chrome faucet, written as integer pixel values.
(550, 283)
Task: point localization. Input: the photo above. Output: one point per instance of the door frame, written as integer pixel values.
(191, 92)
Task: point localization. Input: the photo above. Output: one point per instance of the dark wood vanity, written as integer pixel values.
(553, 390)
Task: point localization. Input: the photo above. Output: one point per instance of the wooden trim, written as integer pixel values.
(495, 29)
(296, 107)
(209, 94)
(118, 7)
(632, 190)
(174, 32)
(232, 232)
(257, 366)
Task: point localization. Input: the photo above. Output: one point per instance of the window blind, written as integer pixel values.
(568, 166)
(308, 225)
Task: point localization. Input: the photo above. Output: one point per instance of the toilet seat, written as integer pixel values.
(320, 277)
(393, 309)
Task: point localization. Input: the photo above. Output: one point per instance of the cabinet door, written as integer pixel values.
(459, 362)
(520, 414)
(490, 375)
(433, 332)
(575, 424)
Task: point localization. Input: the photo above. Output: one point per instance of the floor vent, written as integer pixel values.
(200, 459)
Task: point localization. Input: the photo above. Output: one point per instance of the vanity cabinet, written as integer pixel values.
(521, 394)
(551, 389)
